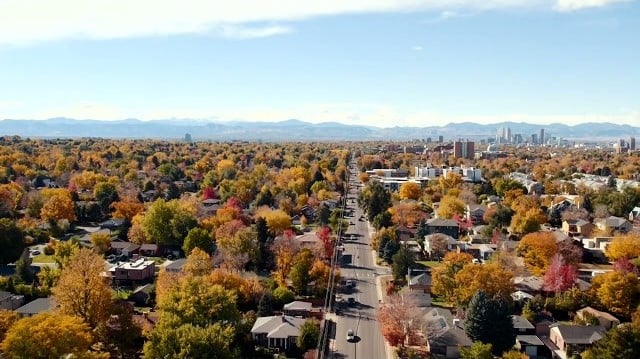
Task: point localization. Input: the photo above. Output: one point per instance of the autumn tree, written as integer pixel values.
(7, 319)
(101, 242)
(57, 207)
(616, 291)
(559, 276)
(489, 321)
(406, 213)
(449, 206)
(410, 190)
(122, 334)
(126, 209)
(402, 261)
(537, 249)
(624, 247)
(47, 335)
(238, 248)
(284, 249)
(82, 291)
(490, 278)
(324, 235)
(277, 220)
(398, 319)
(443, 277)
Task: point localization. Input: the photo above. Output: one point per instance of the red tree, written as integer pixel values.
(625, 265)
(208, 193)
(559, 276)
(324, 234)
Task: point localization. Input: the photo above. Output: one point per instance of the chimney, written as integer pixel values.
(456, 323)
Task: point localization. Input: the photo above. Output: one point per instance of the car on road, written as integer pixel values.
(351, 301)
(353, 237)
(35, 252)
(350, 335)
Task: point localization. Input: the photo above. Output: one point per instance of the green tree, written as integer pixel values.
(402, 261)
(167, 223)
(11, 241)
(374, 199)
(300, 271)
(489, 321)
(477, 350)
(105, 193)
(265, 305)
(200, 238)
(622, 342)
(309, 333)
(382, 220)
(191, 341)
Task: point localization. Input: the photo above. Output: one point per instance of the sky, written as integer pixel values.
(369, 62)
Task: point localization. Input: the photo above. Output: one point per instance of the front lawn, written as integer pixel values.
(429, 264)
(42, 258)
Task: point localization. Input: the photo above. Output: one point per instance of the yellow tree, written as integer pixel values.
(7, 319)
(410, 190)
(624, 247)
(617, 291)
(82, 290)
(449, 182)
(277, 220)
(537, 249)
(47, 335)
(126, 209)
(449, 206)
(58, 207)
(491, 278)
(101, 242)
(284, 250)
(444, 281)
(527, 222)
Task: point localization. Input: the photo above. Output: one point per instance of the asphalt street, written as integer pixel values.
(357, 264)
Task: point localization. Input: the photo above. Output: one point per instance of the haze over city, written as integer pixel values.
(380, 63)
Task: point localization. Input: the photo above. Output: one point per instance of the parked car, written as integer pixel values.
(351, 301)
(350, 335)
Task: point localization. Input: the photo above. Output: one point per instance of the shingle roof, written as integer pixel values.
(440, 222)
(37, 306)
(278, 326)
(580, 334)
(529, 339)
(520, 322)
(420, 279)
(297, 305)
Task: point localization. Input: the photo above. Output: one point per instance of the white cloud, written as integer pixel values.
(573, 5)
(417, 48)
(28, 21)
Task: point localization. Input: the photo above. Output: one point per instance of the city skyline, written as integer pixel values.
(381, 63)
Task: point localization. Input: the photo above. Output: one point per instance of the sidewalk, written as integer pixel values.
(389, 350)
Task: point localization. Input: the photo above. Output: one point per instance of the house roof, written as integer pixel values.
(529, 340)
(278, 326)
(297, 305)
(579, 334)
(530, 283)
(598, 314)
(149, 247)
(112, 223)
(37, 306)
(176, 266)
(612, 221)
(441, 222)
(520, 322)
(420, 279)
(124, 246)
(417, 298)
(452, 337)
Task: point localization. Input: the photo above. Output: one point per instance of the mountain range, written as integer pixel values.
(295, 130)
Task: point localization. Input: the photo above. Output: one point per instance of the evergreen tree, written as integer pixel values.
(265, 305)
(489, 321)
(309, 333)
(402, 261)
(622, 342)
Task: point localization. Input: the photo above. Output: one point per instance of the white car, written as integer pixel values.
(350, 335)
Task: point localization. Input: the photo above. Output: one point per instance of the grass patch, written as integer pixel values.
(429, 264)
(42, 258)
(157, 260)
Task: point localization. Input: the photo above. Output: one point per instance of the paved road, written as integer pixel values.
(361, 317)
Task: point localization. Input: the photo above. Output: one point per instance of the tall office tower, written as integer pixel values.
(542, 136)
(440, 139)
(463, 149)
(507, 135)
(428, 139)
(517, 138)
(622, 146)
(534, 139)
(632, 143)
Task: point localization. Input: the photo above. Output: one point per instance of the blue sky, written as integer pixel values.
(374, 62)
